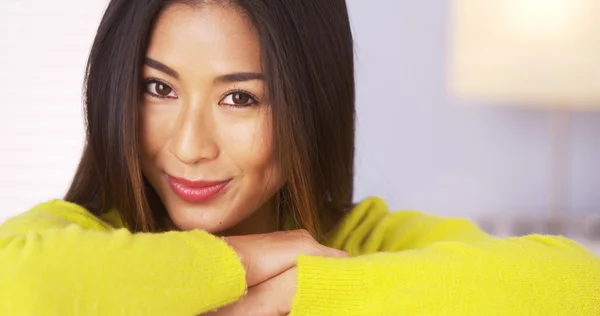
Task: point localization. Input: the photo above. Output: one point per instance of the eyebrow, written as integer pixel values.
(226, 78)
(239, 76)
(161, 67)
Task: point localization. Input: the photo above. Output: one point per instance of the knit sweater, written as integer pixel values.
(59, 259)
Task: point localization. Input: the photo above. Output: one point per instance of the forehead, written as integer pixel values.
(204, 37)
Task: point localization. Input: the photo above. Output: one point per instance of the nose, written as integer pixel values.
(193, 139)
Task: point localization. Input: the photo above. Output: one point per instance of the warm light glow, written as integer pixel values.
(533, 52)
(541, 17)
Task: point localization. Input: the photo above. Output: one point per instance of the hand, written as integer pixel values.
(265, 256)
(270, 298)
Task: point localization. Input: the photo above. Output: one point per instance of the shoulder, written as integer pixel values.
(374, 209)
(372, 226)
(55, 214)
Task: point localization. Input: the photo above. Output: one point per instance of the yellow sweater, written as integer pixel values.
(58, 259)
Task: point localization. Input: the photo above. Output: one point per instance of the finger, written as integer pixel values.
(283, 248)
(329, 252)
(309, 246)
(274, 296)
(267, 255)
(255, 303)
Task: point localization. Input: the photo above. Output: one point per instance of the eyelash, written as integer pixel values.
(254, 102)
(230, 92)
(149, 81)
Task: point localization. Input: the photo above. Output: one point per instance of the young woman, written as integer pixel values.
(217, 179)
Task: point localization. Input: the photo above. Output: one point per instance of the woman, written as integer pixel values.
(217, 179)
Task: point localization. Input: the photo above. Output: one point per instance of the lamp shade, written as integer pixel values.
(539, 53)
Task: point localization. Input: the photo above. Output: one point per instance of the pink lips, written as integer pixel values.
(196, 191)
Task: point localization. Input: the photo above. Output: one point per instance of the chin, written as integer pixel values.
(212, 220)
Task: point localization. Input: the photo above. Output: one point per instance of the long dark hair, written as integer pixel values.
(307, 58)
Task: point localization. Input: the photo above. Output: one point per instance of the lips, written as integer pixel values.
(196, 191)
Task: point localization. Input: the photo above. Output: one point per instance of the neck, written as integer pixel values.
(262, 221)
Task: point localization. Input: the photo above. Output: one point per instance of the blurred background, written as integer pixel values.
(482, 109)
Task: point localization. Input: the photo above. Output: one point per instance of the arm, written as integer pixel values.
(57, 257)
(412, 264)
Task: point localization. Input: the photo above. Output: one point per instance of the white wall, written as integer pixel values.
(43, 50)
(416, 147)
(420, 149)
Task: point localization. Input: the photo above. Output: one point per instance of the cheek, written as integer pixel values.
(250, 145)
(154, 127)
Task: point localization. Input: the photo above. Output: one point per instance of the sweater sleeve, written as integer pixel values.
(406, 263)
(58, 259)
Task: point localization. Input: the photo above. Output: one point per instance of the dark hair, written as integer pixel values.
(307, 58)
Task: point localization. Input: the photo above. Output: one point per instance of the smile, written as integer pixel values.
(196, 191)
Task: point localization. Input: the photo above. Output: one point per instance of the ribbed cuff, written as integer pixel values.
(221, 267)
(330, 286)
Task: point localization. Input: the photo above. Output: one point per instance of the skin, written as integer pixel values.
(191, 128)
(195, 132)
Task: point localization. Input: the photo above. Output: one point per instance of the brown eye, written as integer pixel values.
(159, 89)
(162, 89)
(238, 99)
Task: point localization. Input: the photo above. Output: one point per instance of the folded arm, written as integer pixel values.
(407, 263)
(58, 257)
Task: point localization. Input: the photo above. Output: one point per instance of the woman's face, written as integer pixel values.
(206, 136)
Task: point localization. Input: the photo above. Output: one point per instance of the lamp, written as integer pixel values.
(542, 54)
